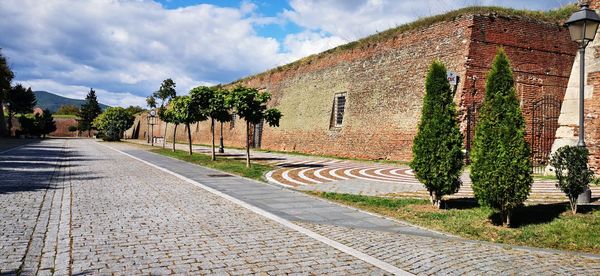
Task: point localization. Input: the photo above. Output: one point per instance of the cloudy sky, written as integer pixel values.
(125, 48)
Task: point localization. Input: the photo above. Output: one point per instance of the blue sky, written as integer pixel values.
(124, 49)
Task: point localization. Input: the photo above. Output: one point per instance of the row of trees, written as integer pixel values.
(20, 101)
(501, 169)
(215, 103)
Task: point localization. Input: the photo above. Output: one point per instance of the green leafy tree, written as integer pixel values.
(67, 109)
(437, 148)
(501, 169)
(88, 112)
(113, 122)
(6, 77)
(165, 93)
(29, 125)
(151, 102)
(46, 123)
(187, 112)
(133, 110)
(250, 105)
(19, 101)
(214, 103)
(168, 115)
(570, 164)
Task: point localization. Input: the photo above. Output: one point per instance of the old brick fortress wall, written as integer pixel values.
(384, 81)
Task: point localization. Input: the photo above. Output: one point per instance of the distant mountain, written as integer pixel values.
(53, 102)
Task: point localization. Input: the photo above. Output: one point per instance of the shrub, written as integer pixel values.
(572, 172)
(112, 122)
(437, 148)
(72, 128)
(501, 169)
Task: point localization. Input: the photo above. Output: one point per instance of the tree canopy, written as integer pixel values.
(89, 111)
(437, 148)
(113, 122)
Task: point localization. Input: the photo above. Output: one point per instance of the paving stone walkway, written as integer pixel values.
(75, 206)
(313, 173)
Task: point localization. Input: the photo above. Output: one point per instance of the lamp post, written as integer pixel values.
(152, 116)
(221, 148)
(583, 25)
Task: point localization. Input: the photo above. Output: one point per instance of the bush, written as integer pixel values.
(572, 172)
(72, 128)
(501, 169)
(437, 148)
(112, 122)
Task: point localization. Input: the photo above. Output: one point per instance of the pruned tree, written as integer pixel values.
(501, 169)
(437, 147)
(250, 105)
(570, 164)
(168, 115)
(19, 101)
(165, 93)
(46, 123)
(213, 103)
(88, 112)
(186, 112)
(113, 122)
(6, 77)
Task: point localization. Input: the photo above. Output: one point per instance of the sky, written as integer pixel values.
(125, 48)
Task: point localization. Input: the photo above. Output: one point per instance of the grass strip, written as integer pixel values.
(233, 166)
(543, 225)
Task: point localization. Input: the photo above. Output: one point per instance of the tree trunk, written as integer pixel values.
(506, 216)
(247, 144)
(174, 135)
(435, 199)
(573, 201)
(189, 137)
(212, 131)
(165, 135)
(3, 131)
(10, 116)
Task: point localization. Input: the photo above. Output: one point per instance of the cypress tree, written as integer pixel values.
(501, 169)
(437, 147)
(89, 111)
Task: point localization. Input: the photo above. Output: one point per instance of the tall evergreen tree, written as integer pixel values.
(19, 101)
(501, 169)
(88, 112)
(46, 123)
(437, 148)
(6, 76)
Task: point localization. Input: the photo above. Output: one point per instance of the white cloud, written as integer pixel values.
(125, 48)
(132, 45)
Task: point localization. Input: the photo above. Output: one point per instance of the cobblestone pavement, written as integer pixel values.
(75, 206)
(311, 173)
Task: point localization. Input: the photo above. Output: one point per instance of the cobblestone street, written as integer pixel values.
(75, 206)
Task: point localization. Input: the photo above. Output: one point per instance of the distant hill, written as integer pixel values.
(53, 102)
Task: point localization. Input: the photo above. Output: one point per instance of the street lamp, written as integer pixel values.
(583, 25)
(221, 148)
(152, 116)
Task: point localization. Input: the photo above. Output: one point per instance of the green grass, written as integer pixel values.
(64, 116)
(238, 167)
(549, 226)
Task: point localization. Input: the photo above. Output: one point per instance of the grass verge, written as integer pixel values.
(238, 167)
(549, 226)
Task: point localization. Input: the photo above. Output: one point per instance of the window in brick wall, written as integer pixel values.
(339, 107)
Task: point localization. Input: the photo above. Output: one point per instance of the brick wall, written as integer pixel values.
(384, 82)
